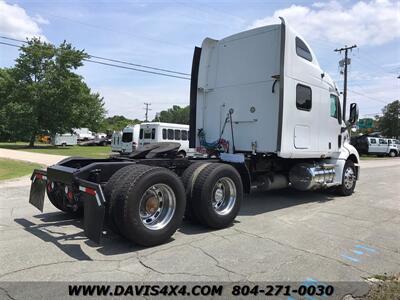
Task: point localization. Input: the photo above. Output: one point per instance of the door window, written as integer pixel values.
(164, 134)
(153, 133)
(382, 141)
(335, 108)
(141, 133)
(373, 141)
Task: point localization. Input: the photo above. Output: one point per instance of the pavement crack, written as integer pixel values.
(217, 263)
(7, 293)
(169, 273)
(36, 266)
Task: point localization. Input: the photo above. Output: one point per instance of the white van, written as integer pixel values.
(66, 139)
(382, 146)
(165, 132)
(116, 141)
(130, 138)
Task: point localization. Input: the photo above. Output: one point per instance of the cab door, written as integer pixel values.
(373, 146)
(383, 146)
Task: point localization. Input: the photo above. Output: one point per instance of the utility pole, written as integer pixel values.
(346, 62)
(147, 104)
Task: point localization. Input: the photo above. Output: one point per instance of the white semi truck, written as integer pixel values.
(265, 113)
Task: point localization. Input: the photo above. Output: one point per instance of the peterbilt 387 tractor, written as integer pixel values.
(265, 115)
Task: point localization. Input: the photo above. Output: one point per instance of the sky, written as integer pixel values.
(163, 34)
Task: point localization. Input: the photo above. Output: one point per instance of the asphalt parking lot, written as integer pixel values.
(278, 236)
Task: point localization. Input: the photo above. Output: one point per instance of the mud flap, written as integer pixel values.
(38, 188)
(94, 209)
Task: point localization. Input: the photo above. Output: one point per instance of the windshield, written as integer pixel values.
(127, 137)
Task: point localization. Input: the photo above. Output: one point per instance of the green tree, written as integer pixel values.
(117, 123)
(46, 96)
(176, 114)
(389, 123)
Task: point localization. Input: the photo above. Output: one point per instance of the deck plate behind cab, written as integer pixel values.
(164, 149)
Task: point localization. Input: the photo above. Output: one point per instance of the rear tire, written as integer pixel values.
(112, 187)
(217, 195)
(187, 180)
(349, 180)
(392, 153)
(149, 204)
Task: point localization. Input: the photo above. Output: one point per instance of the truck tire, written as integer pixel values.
(56, 195)
(217, 194)
(392, 153)
(113, 185)
(149, 204)
(187, 180)
(348, 180)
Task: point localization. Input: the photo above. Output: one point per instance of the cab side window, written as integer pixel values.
(303, 97)
(382, 141)
(164, 134)
(373, 141)
(302, 50)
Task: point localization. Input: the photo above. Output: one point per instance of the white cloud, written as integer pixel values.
(39, 19)
(16, 23)
(373, 23)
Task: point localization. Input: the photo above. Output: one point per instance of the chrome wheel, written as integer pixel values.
(349, 178)
(224, 196)
(157, 206)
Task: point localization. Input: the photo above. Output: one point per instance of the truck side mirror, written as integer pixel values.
(353, 113)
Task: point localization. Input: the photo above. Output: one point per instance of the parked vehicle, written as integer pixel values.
(66, 139)
(375, 146)
(130, 139)
(116, 141)
(97, 141)
(157, 132)
(265, 113)
(84, 134)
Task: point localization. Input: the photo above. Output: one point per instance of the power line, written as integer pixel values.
(138, 65)
(8, 44)
(364, 95)
(135, 69)
(116, 60)
(118, 66)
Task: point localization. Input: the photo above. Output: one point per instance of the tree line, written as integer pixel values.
(42, 95)
(388, 124)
